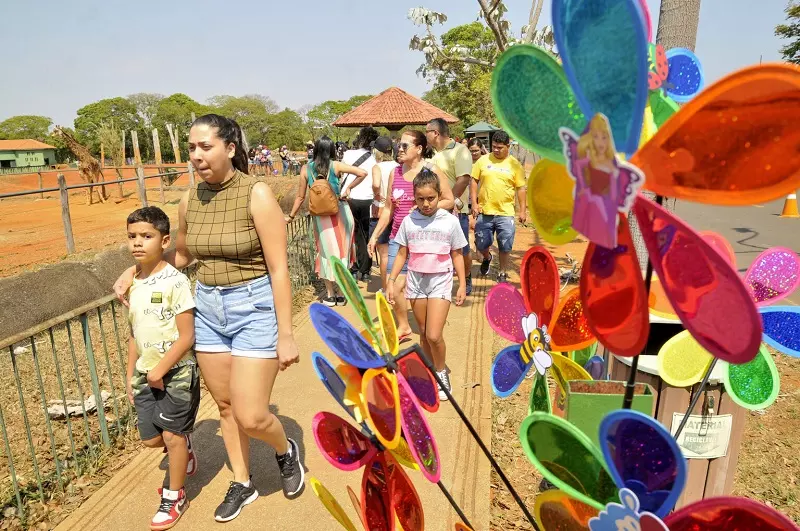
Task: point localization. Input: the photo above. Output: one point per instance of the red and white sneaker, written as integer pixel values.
(191, 466)
(173, 505)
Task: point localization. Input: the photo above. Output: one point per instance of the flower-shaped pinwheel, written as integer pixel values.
(538, 323)
(392, 400)
(637, 458)
(733, 144)
(773, 275)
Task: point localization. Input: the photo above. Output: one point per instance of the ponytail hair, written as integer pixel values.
(229, 132)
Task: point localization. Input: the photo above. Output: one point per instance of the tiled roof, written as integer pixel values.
(23, 145)
(393, 107)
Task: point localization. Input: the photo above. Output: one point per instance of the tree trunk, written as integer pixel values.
(677, 28)
(533, 20)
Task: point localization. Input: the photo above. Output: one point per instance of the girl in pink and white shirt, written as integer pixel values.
(432, 240)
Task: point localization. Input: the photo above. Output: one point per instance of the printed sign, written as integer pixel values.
(704, 436)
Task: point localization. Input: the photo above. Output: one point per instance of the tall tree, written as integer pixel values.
(177, 110)
(251, 112)
(286, 128)
(119, 111)
(320, 117)
(677, 24)
(146, 104)
(26, 127)
(791, 31)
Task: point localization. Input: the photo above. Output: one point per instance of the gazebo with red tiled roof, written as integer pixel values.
(393, 109)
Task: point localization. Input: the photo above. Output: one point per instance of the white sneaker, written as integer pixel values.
(446, 381)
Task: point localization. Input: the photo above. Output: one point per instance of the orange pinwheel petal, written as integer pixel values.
(570, 330)
(734, 144)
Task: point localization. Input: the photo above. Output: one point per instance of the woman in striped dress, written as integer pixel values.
(411, 153)
(333, 235)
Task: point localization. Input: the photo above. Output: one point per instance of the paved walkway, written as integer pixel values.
(128, 500)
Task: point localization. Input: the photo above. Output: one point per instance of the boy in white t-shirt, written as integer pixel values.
(162, 378)
(432, 240)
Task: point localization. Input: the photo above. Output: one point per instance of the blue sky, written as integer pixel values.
(60, 55)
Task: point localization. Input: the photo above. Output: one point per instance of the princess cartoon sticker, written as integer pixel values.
(604, 186)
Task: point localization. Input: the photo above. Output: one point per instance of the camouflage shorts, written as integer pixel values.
(174, 409)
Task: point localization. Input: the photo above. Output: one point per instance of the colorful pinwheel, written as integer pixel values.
(393, 400)
(604, 54)
(537, 323)
(773, 275)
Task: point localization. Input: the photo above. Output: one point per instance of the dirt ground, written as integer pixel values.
(769, 462)
(32, 233)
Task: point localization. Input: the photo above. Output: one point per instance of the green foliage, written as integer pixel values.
(285, 127)
(252, 113)
(120, 112)
(463, 89)
(177, 110)
(320, 117)
(26, 127)
(791, 30)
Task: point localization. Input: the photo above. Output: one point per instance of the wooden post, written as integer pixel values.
(157, 147)
(173, 137)
(137, 155)
(161, 189)
(102, 155)
(123, 148)
(65, 217)
(120, 185)
(191, 175)
(41, 184)
(103, 187)
(142, 189)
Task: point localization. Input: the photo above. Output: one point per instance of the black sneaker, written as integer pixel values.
(330, 302)
(485, 265)
(502, 276)
(366, 277)
(292, 472)
(340, 300)
(235, 499)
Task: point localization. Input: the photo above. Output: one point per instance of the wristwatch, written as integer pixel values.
(459, 203)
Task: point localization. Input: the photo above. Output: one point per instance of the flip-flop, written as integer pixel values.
(405, 337)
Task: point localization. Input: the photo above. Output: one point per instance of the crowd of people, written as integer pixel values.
(426, 195)
(262, 162)
(409, 203)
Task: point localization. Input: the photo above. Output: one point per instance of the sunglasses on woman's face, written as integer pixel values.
(404, 146)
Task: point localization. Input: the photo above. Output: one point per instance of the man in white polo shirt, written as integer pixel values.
(455, 161)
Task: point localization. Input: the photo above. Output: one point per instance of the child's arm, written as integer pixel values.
(399, 261)
(457, 255)
(185, 341)
(133, 355)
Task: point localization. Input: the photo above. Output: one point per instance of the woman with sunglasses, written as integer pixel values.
(411, 152)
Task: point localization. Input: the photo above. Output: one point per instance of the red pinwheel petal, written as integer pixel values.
(341, 444)
(540, 283)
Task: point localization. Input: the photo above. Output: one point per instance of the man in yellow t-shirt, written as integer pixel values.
(497, 179)
(455, 161)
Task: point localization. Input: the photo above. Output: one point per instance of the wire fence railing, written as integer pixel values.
(63, 399)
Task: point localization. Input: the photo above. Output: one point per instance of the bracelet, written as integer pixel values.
(392, 279)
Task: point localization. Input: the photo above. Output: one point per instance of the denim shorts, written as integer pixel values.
(463, 219)
(383, 239)
(394, 247)
(487, 227)
(236, 319)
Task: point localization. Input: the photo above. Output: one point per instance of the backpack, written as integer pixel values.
(322, 200)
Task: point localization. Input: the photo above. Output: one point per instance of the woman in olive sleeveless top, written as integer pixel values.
(232, 225)
(333, 235)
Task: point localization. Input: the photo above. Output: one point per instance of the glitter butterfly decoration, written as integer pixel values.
(626, 516)
(537, 323)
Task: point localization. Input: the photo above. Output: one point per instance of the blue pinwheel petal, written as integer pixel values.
(508, 371)
(685, 78)
(642, 456)
(782, 328)
(603, 46)
(331, 380)
(343, 339)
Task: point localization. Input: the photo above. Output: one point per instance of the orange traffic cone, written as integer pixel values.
(790, 207)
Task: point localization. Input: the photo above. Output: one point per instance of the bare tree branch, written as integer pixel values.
(533, 20)
(445, 58)
(492, 23)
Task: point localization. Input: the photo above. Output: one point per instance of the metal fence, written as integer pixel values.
(63, 403)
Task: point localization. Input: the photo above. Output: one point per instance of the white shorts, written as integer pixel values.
(429, 285)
